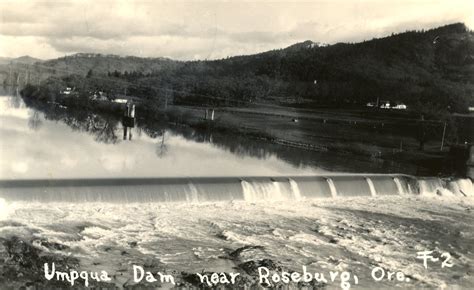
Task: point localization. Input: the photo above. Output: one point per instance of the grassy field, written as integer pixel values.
(327, 130)
(378, 135)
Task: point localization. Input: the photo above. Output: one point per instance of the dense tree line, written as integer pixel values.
(432, 71)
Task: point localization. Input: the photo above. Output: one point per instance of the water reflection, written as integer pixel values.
(104, 128)
(128, 121)
(34, 121)
(162, 137)
(50, 141)
(16, 101)
(161, 147)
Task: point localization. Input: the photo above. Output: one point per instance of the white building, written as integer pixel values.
(400, 106)
(67, 91)
(120, 101)
(385, 105)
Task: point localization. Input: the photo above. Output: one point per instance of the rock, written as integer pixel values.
(251, 267)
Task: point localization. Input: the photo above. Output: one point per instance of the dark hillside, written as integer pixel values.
(430, 71)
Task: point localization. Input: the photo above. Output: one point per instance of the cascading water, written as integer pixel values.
(386, 185)
(192, 195)
(347, 186)
(295, 189)
(332, 187)
(398, 183)
(250, 189)
(255, 191)
(465, 186)
(373, 192)
(432, 186)
(461, 187)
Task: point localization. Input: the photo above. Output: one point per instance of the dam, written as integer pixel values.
(212, 189)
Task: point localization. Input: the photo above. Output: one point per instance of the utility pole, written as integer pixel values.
(10, 77)
(442, 139)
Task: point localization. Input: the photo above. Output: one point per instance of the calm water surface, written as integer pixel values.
(55, 142)
(34, 147)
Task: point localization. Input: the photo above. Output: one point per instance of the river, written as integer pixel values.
(283, 208)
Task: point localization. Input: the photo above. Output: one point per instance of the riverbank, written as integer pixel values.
(389, 139)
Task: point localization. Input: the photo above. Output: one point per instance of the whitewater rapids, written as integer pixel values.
(352, 234)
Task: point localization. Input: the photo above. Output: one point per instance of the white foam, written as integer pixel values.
(192, 195)
(465, 186)
(442, 187)
(431, 186)
(4, 209)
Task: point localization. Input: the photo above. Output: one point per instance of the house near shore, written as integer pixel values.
(66, 91)
(123, 99)
(69, 92)
(387, 105)
(120, 101)
(99, 96)
(399, 106)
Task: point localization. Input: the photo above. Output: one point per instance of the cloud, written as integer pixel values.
(208, 29)
(19, 167)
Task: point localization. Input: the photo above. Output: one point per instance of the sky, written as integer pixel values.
(187, 30)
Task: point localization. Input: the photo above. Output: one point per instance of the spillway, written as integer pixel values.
(211, 189)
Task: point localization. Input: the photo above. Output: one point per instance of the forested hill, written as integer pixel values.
(425, 68)
(81, 63)
(429, 70)
(22, 59)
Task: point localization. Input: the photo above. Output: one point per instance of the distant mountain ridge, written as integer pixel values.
(26, 59)
(431, 69)
(81, 63)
